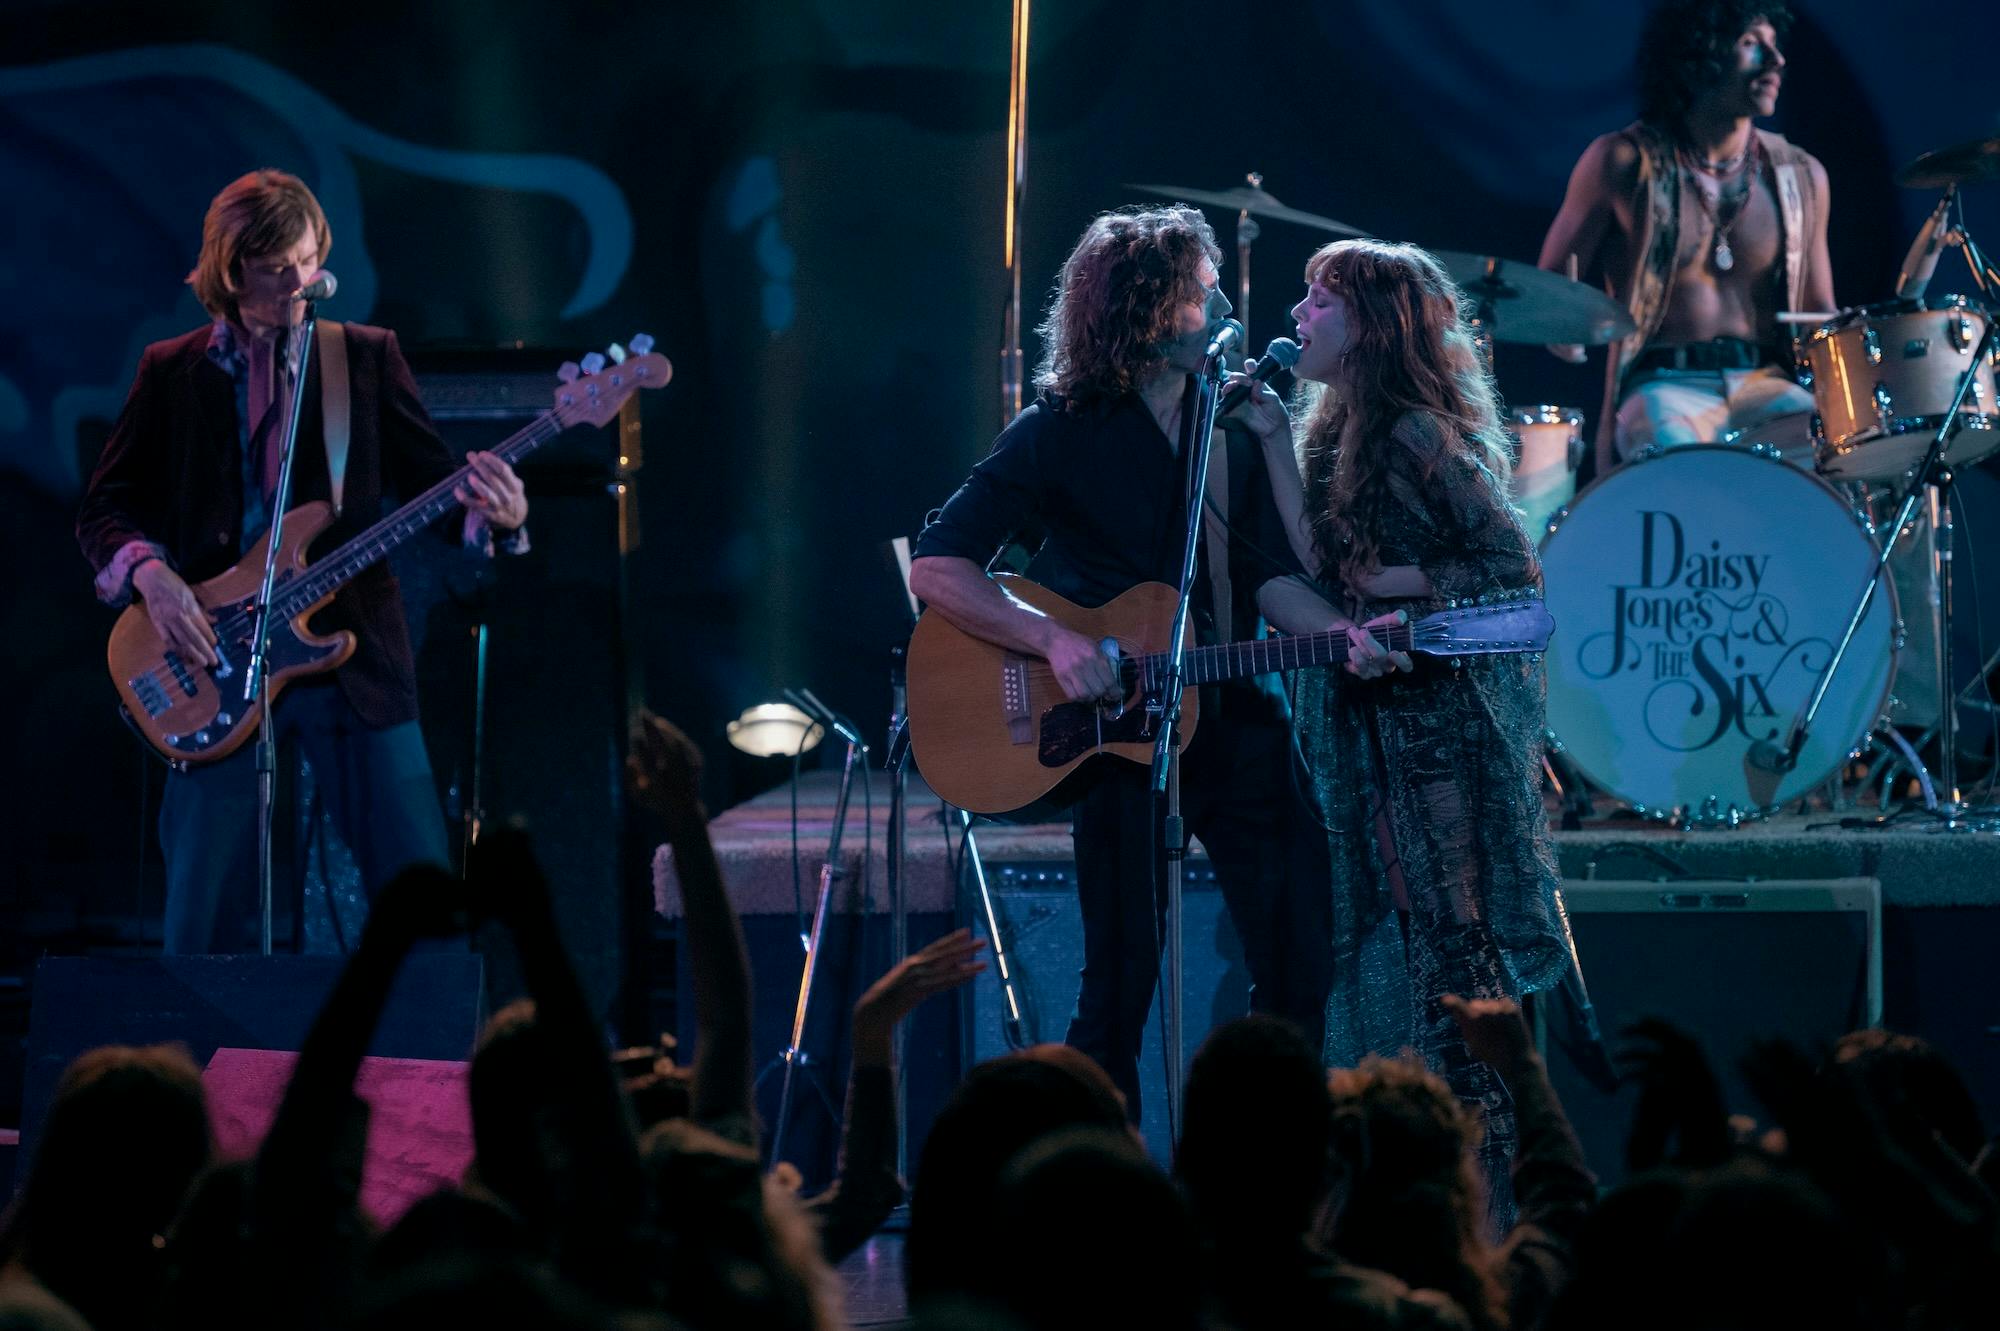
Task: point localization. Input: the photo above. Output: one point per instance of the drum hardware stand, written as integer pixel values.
(1247, 231)
(1932, 474)
(794, 1056)
(257, 676)
(1166, 776)
(1573, 795)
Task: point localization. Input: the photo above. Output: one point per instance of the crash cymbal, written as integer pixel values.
(1524, 303)
(1961, 164)
(1256, 202)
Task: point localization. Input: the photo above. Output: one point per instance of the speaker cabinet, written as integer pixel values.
(1731, 963)
(548, 744)
(1042, 929)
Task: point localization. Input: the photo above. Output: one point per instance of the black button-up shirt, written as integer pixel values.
(1105, 490)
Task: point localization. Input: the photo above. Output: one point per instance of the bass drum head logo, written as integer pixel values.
(1701, 593)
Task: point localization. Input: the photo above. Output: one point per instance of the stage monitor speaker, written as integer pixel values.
(559, 684)
(1731, 963)
(248, 1002)
(1042, 927)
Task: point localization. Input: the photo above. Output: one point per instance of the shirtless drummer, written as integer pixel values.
(1706, 227)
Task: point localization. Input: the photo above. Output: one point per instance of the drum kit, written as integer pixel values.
(1729, 629)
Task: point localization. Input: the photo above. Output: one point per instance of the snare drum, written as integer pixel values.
(1698, 593)
(1551, 444)
(1882, 377)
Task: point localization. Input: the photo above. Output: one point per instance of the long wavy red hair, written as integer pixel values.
(1412, 353)
(1116, 302)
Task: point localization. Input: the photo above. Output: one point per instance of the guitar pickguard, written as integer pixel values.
(1070, 730)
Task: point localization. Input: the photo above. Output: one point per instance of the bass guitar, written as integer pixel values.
(198, 714)
(993, 732)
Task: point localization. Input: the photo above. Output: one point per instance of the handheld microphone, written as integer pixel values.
(1227, 334)
(1922, 260)
(1282, 354)
(319, 288)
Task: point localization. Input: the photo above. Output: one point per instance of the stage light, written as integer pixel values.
(774, 730)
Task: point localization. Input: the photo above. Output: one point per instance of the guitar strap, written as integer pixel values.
(1217, 528)
(335, 405)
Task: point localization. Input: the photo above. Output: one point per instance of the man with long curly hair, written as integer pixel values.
(1706, 227)
(1097, 466)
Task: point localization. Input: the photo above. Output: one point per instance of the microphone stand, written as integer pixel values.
(1166, 743)
(1932, 472)
(794, 1055)
(257, 677)
(897, 763)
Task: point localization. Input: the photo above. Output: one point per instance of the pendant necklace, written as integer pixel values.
(1725, 258)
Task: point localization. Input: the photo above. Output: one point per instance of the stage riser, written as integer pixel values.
(209, 1003)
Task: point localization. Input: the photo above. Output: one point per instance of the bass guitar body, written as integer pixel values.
(992, 730)
(198, 714)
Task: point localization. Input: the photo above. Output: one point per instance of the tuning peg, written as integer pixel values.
(616, 352)
(642, 344)
(568, 371)
(593, 363)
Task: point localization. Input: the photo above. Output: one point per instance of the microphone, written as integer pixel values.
(1768, 757)
(1922, 260)
(1282, 354)
(1227, 334)
(319, 288)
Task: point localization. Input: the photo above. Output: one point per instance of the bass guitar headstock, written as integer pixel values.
(592, 391)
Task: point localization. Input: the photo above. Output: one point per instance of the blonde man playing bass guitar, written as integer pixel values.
(180, 494)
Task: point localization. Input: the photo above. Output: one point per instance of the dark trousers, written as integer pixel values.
(1240, 799)
(377, 789)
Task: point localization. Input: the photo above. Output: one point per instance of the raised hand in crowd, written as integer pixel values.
(663, 772)
(866, 1187)
(1882, 1163)
(552, 1132)
(1680, 1117)
(1494, 1031)
(944, 964)
(1554, 1188)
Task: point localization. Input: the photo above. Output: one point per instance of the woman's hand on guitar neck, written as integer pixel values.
(1366, 656)
(1081, 667)
(177, 617)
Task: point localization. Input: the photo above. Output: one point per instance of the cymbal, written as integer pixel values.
(1256, 202)
(1961, 164)
(1530, 304)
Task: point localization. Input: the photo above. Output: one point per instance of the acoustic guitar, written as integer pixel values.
(198, 714)
(993, 732)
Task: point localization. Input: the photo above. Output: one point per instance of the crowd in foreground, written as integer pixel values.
(599, 1198)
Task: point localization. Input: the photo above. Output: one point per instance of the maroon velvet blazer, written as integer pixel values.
(171, 473)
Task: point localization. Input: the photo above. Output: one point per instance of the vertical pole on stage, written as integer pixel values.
(1017, 179)
(257, 679)
(1247, 232)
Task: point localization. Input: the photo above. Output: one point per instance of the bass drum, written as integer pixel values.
(1698, 593)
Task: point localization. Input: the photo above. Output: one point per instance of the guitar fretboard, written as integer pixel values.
(1263, 656)
(328, 574)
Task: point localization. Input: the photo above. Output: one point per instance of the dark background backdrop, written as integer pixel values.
(802, 202)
